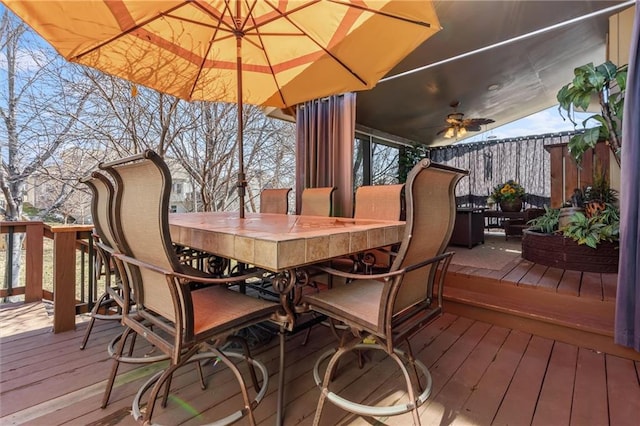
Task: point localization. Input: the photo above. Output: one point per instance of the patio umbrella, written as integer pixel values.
(264, 52)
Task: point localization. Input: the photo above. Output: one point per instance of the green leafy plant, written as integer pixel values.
(547, 223)
(600, 190)
(608, 82)
(409, 157)
(507, 191)
(604, 226)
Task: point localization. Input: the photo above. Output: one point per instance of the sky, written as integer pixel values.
(543, 122)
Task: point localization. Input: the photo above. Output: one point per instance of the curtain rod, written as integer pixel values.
(516, 139)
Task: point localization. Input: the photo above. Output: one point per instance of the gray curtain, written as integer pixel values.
(627, 325)
(324, 148)
(490, 163)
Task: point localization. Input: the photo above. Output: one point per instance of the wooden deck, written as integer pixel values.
(570, 306)
(483, 374)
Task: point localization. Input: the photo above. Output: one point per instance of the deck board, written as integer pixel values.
(570, 283)
(519, 403)
(609, 287)
(464, 381)
(591, 285)
(554, 402)
(551, 279)
(590, 390)
(483, 374)
(623, 390)
(482, 405)
(533, 276)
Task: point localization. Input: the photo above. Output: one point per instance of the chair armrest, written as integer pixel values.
(391, 274)
(185, 279)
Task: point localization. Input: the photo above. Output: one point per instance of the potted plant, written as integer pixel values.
(547, 223)
(509, 195)
(599, 193)
(608, 83)
(584, 244)
(601, 226)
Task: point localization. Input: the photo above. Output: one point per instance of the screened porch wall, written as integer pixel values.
(493, 162)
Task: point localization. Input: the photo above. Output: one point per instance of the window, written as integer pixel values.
(375, 161)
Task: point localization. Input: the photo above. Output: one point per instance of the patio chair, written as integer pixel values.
(184, 322)
(391, 307)
(274, 200)
(109, 305)
(317, 201)
(514, 227)
(383, 202)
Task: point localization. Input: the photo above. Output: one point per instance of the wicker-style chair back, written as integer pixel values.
(317, 201)
(275, 200)
(143, 186)
(379, 202)
(430, 216)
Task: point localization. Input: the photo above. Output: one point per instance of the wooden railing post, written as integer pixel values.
(64, 279)
(64, 275)
(34, 262)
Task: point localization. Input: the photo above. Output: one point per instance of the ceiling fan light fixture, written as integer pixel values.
(450, 133)
(462, 131)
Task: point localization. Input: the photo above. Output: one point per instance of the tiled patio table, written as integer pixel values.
(282, 244)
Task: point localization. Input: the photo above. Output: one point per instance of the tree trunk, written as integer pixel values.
(13, 264)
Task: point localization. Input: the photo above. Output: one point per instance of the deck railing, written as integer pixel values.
(72, 253)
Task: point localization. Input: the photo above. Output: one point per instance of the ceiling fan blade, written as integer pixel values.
(482, 121)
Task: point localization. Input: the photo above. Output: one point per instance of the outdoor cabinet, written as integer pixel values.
(469, 227)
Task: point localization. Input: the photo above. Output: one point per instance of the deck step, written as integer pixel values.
(547, 307)
(577, 321)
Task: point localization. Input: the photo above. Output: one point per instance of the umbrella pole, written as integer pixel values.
(242, 183)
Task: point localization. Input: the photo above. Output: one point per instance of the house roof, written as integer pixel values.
(502, 60)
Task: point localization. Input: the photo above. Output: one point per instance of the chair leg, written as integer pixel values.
(114, 368)
(247, 353)
(410, 391)
(203, 385)
(368, 410)
(94, 311)
(243, 387)
(151, 402)
(165, 379)
(412, 361)
(328, 377)
(280, 408)
(307, 334)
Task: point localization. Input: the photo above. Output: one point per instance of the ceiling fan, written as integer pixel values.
(458, 126)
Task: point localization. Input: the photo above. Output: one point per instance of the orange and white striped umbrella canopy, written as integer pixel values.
(290, 51)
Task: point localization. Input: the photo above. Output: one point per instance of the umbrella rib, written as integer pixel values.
(216, 28)
(246, 18)
(280, 14)
(219, 17)
(126, 32)
(273, 74)
(379, 12)
(202, 24)
(319, 45)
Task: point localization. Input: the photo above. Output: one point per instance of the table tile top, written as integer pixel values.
(277, 242)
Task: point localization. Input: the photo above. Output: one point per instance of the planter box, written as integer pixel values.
(564, 253)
